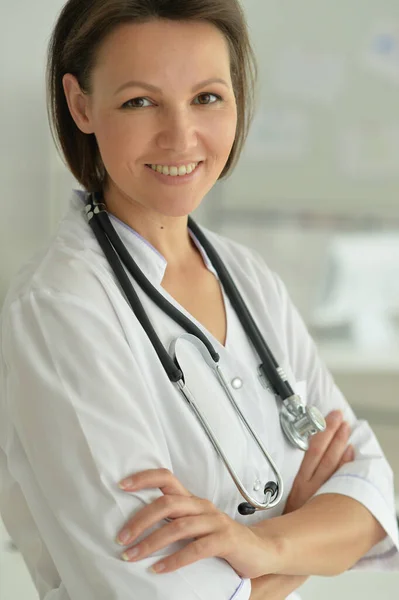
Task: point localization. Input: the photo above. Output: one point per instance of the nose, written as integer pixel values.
(178, 132)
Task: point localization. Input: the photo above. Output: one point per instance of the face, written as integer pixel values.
(182, 122)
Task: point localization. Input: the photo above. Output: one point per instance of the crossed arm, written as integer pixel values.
(308, 538)
(305, 528)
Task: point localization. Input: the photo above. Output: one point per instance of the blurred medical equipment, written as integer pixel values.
(361, 289)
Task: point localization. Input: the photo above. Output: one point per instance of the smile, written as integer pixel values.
(174, 175)
(174, 171)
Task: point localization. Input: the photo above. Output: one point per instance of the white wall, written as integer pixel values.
(27, 154)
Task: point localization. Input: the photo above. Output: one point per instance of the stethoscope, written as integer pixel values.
(298, 421)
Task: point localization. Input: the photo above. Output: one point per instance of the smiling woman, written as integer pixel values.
(152, 83)
(84, 28)
(151, 101)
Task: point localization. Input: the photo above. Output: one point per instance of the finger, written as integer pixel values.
(181, 529)
(318, 446)
(332, 456)
(198, 550)
(348, 456)
(162, 508)
(155, 478)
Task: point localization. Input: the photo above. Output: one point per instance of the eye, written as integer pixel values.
(134, 100)
(207, 95)
(203, 95)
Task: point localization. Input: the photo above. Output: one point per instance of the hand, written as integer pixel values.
(214, 532)
(327, 452)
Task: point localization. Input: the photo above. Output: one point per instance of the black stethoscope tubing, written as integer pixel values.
(102, 225)
(269, 364)
(117, 256)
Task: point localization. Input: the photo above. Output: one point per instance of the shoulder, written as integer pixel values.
(70, 265)
(60, 294)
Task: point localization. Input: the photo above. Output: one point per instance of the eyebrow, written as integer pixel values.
(153, 88)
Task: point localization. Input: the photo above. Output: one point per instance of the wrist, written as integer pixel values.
(274, 544)
(275, 587)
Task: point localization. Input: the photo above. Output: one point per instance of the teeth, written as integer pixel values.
(175, 171)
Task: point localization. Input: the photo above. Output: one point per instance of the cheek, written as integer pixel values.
(117, 142)
(223, 131)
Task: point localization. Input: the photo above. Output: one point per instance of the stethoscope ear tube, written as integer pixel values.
(273, 491)
(270, 491)
(278, 488)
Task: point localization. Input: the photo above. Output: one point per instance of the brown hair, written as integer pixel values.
(79, 31)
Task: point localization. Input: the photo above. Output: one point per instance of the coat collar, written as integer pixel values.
(149, 260)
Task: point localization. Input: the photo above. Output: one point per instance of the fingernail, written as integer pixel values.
(130, 554)
(126, 483)
(157, 568)
(336, 415)
(123, 538)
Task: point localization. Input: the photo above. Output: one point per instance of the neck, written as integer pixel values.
(168, 235)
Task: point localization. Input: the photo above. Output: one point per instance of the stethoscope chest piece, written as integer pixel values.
(299, 427)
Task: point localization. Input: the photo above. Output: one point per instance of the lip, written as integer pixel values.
(178, 180)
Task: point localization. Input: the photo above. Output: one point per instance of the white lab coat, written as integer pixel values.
(85, 402)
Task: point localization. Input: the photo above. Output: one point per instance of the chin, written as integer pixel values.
(182, 211)
(172, 206)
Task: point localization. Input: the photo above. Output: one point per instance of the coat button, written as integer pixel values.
(257, 485)
(237, 383)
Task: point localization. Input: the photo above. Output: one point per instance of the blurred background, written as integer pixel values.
(315, 192)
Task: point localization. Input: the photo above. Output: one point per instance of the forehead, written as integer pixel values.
(163, 46)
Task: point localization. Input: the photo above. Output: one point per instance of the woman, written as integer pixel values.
(151, 102)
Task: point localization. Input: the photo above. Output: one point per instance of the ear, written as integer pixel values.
(78, 103)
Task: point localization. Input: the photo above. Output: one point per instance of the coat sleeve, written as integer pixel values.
(81, 413)
(369, 478)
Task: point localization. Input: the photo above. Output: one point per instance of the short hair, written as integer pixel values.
(81, 28)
